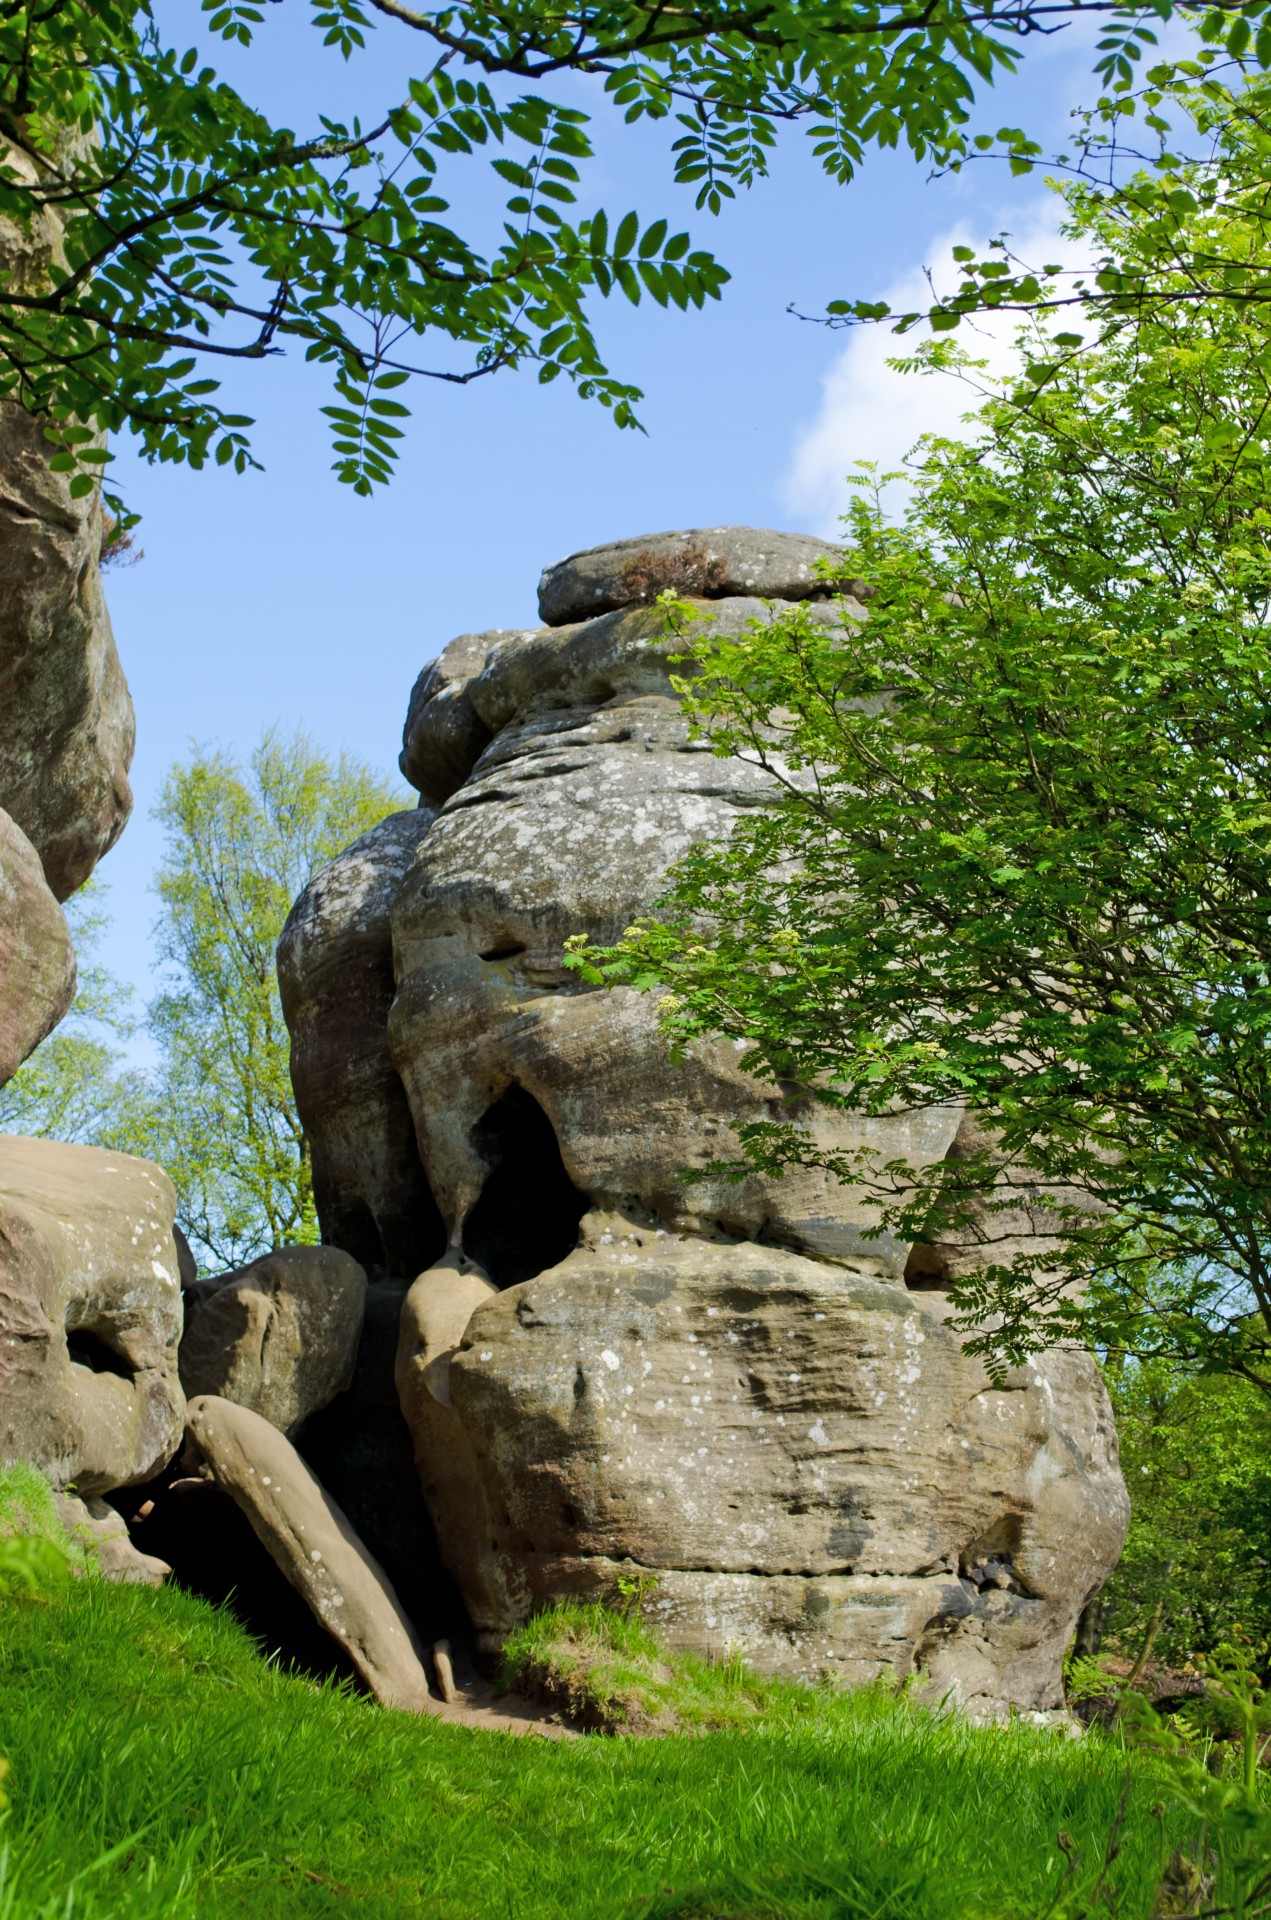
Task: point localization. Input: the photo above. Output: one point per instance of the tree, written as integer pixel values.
(1019, 856)
(242, 844)
(174, 225)
(77, 1085)
(1195, 1456)
(1177, 216)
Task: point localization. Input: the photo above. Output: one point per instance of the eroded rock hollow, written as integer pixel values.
(726, 1389)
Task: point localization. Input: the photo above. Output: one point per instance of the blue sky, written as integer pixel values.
(279, 597)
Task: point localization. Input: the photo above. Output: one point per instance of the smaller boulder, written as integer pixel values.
(434, 1319)
(95, 1527)
(360, 1448)
(90, 1314)
(711, 563)
(279, 1337)
(311, 1541)
(444, 735)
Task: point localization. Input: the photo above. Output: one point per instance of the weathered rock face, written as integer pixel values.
(556, 1098)
(66, 720)
(710, 561)
(730, 1386)
(700, 1412)
(279, 1336)
(37, 961)
(90, 1314)
(444, 734)
(309, 1538)
(335, 969)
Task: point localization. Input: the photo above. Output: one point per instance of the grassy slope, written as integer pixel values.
(146, 1722)
(608, 1671)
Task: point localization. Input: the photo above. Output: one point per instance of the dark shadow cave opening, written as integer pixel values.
(527, 1214)
(212, 1551)
(87, 1348)
(927, 1270)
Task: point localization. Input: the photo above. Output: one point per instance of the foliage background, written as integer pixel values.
(216, 1108)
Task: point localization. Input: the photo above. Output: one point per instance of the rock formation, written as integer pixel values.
(90, 1310)
(66, 738)
(734, 1388)
(37, 961)
(279, 1336)
(90, 1314)
(335, 969)
(66, 725)
(305, 1532)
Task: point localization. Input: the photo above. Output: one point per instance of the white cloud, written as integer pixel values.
(868, 411)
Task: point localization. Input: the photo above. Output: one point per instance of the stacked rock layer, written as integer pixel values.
(727, 1391)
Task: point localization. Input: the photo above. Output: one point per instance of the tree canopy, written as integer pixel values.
(171, 224)
(77, 1084)
(1172, 181)
(1194, 1570)
(1019, 852)
(215, 1108)
(242, 844)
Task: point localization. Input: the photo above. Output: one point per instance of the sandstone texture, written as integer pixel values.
(444, 734)
(90, 1314)
(742, 1390)
(558, 1099)
(279, 1336)
(703, 1413)
(103, 1537)
(37, 961)
(66, 719)
(335, 970)
(709, 561)
(312, 1542)
(437, 1310)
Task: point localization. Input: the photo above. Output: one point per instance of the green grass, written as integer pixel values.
(610, 1672)
(26, 1505)
(159, 1767)
(34, 1548)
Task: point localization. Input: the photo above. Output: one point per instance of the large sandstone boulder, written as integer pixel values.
(310, 1539)
(335, 970)
(90, 1314)
(279, 1336)
(699, 1413)
(556, 1098)
(708, 561)
(66, 719)
(37, 961)
(743, 1389)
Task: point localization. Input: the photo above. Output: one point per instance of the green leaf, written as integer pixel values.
(652, 239)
